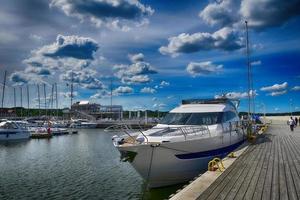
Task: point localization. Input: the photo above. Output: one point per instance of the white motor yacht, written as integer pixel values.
(185, 140)
(10, 130)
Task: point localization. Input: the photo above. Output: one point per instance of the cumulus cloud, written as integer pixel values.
(21, 78)
(159, 105)
(260, 14)
(70, 46)
(123, 90)
(110, 13)
(134, 58)
(148, 90)
(255, 63)
(226, 39)
(296, 88)
(164, 83)
(68, 94)
(101, 94)
(277, 93)
(220, 13)
(85, 78)
(237, 95)
(136, 79)
(135, 73)
(275, 87)
(203, 68)
(38, 70)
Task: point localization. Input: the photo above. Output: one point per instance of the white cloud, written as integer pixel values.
(123, 90)
(35, 37)
(159, 105)
(255, 63)
(203, 68)
(260, 14)
(85, 78)
(136, 79)
(277, 93)
(220, 13)
(226, 39)
(70, 47)
(164, 83)
(134, 73)
(296, 88)
(275, 87)
(134, 58)
(101, 94)
(68, 94)
(148, 90)
(237, 95)
(113, 14)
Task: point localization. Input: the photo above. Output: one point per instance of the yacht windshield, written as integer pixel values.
(192, 118)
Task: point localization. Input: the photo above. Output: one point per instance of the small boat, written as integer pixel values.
(10, 130)
(185, 140)
(82, 123)
(59, 131)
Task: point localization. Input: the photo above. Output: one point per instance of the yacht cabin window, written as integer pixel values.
(198, 118)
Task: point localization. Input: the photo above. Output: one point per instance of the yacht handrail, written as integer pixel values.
(184, 130)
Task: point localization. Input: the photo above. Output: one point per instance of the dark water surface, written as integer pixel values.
(81, 166)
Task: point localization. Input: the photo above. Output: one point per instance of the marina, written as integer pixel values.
(149, 100)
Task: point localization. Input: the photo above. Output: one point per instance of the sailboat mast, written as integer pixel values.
(21, 99)
(15, 101)
(45, 98)
(52, 99)
(72, 90)
(27, 100)
(39, 99)
(56, 100)
(3, 90)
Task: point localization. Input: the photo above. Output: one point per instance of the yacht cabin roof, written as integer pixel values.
(202, 108)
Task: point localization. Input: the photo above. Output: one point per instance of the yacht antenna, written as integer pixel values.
(249, 71)
(111, 91)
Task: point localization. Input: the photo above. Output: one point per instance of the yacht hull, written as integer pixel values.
(177, 162)
(14, 135)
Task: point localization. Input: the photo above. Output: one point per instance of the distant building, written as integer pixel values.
(85, 106)
(98, 111)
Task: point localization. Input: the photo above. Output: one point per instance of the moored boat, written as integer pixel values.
(10, 130)
(185, 140)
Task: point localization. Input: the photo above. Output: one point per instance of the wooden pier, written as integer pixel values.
(268, 169)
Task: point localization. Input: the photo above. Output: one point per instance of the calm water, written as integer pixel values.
(82, 166)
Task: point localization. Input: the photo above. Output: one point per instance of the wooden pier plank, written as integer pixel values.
(258, 189)
(267, 170)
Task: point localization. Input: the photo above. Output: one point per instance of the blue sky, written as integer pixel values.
(156, 53)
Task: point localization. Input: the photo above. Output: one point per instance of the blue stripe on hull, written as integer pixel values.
(214, 152)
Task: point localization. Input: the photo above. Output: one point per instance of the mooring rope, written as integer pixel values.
(149, 171)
